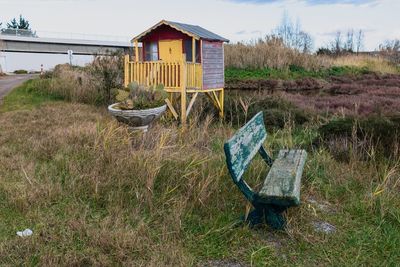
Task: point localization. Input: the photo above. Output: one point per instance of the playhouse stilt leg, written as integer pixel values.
(171, 98)
(183, 108)
(221, 103)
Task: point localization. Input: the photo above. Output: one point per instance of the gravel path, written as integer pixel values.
(7, 83)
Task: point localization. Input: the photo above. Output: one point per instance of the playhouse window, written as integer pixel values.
(151, 51)
(189, 52)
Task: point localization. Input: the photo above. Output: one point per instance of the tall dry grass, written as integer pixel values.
(96, 194)
(372, 63)
(74, 84)
(137, 188)
(270, 53)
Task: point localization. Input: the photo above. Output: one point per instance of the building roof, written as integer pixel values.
(192, 30)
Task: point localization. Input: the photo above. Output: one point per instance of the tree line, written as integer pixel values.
(343, 42)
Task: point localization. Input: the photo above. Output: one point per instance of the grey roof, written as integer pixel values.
(198, 31)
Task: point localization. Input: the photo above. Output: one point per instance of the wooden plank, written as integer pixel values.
(136, 51)
(171, 108)
(183, 91)
(134, 66)
(131, 72)
(126, 71)
(193, 50)
(162, 74)
(214, 76)
(216, 100)
(283, 182)
(244, 145)
(191, 103)
(210, 96)
(221, 101)
(169, 74)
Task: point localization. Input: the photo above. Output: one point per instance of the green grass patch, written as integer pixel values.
(29, 95)
(292, 73)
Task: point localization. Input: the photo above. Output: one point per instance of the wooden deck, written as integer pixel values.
(174, 75)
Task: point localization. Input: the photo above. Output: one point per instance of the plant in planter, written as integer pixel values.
(139, 106)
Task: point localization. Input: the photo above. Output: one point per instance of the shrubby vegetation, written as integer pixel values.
(379, 135)
(95, 83)
(20, 72)
(140, 97)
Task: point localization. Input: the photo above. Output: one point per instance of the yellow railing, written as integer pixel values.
(194, 76)
(169, 74)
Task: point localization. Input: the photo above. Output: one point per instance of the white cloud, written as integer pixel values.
(235, 21)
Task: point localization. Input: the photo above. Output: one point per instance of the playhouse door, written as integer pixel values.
(170, 50)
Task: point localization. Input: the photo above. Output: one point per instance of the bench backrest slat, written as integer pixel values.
(244, 145)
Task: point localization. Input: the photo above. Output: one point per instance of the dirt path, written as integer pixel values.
(7, 83)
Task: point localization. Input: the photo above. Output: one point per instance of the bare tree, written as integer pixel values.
(345, 43)
(306, 42)
(336, 44)
(359, 41)
(292, 34)
(391, 50)
(349, 44)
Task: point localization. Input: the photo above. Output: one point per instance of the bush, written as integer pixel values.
(108, 71)
(75, 85)
(20, 72)
(378, 133)
(94, 84)
(277, 111)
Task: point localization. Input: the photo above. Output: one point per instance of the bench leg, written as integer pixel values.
(270, 214)
(274, 216)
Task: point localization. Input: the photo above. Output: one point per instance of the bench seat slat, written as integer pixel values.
(282, 185)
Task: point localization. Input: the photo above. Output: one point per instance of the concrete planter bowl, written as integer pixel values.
(138, 120)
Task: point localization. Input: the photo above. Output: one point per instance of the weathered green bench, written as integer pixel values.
(281, 188)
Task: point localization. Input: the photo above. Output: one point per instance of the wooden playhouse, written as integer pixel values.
(186, 59)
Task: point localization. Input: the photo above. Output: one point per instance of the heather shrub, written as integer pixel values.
(379, 134)
(277, 112)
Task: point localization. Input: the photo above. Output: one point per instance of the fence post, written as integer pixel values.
(126, 70)
(136, 51)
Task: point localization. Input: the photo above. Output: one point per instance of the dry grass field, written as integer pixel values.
(96, 195)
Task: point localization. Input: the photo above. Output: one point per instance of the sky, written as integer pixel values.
(237, 20)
